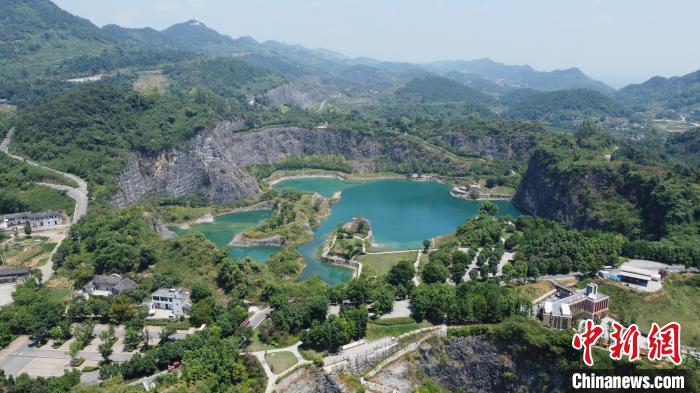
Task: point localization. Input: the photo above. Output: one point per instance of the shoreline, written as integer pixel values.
(272, 180)
(209, 217)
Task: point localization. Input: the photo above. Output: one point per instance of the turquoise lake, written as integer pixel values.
(402, 213)
(226, 226)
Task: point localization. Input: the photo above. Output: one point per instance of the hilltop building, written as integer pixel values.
(634, 277)
(108, 285)
(38, 221)
(175, 300)
(568, 304)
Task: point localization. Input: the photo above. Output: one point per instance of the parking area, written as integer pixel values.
(21, 356)
(6, 291)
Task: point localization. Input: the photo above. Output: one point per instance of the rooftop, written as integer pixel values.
(170, 292)
(13, 271)
(30, 215)
(560, 307)
(114, 280)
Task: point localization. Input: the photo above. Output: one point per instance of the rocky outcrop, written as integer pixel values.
(495, 147)
(240, 240)
(556, 188)
(212, 164)
(198, 167)
(478, 364)
(471, 364)
(306, 380)
(294, 94)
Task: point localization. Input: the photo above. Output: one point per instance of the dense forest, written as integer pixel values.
(89, 130)
(657, 207)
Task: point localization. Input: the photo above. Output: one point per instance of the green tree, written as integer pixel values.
(359, 291)
(202, 312)
(358, 317)
(488, 207)
(434, 272)
(426, 245)
(401, 274)
(121, 309)
(27, 229)
(167, 331)
(383, 298)
(133, 336)
(200, 291)
(433, 302)
(105, 348)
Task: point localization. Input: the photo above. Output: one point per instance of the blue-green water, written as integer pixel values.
(402, 214)
(226, 226)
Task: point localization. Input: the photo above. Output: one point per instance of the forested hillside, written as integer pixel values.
(432, 89)
(88, 130)
(564, 108)
(521, 76)
(570, 180)
(672, 98)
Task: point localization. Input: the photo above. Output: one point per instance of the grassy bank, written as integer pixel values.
(380, 264)
(679, 301)
(392, 327)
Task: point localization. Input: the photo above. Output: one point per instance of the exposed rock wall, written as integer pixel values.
(212, 164)
(307, 380)
(471, 364)
(477, 364)
(493, 147)
(553, 189)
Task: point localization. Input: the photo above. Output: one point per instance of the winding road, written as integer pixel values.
(79, 194)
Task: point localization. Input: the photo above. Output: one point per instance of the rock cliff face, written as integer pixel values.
(212, 164)
(563, 192)
(477, 364)
(308, 380)
(492, 147)
(471, 364)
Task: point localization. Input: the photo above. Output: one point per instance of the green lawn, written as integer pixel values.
(280, 361)
(387, 327)
(60, 294)
(532, 291)
(679, 301)
(40, 198)
(380, 264)
(254, 343)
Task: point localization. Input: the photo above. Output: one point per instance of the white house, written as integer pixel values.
(38, 221)
(175, 300)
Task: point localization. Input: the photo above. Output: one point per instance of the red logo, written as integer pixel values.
(664, 342)
(587, 339)
(624, 344)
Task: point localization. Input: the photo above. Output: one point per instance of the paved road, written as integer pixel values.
(401, 309)
(653, 265)
(79, 195)
(272, 377)
(259, 317)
